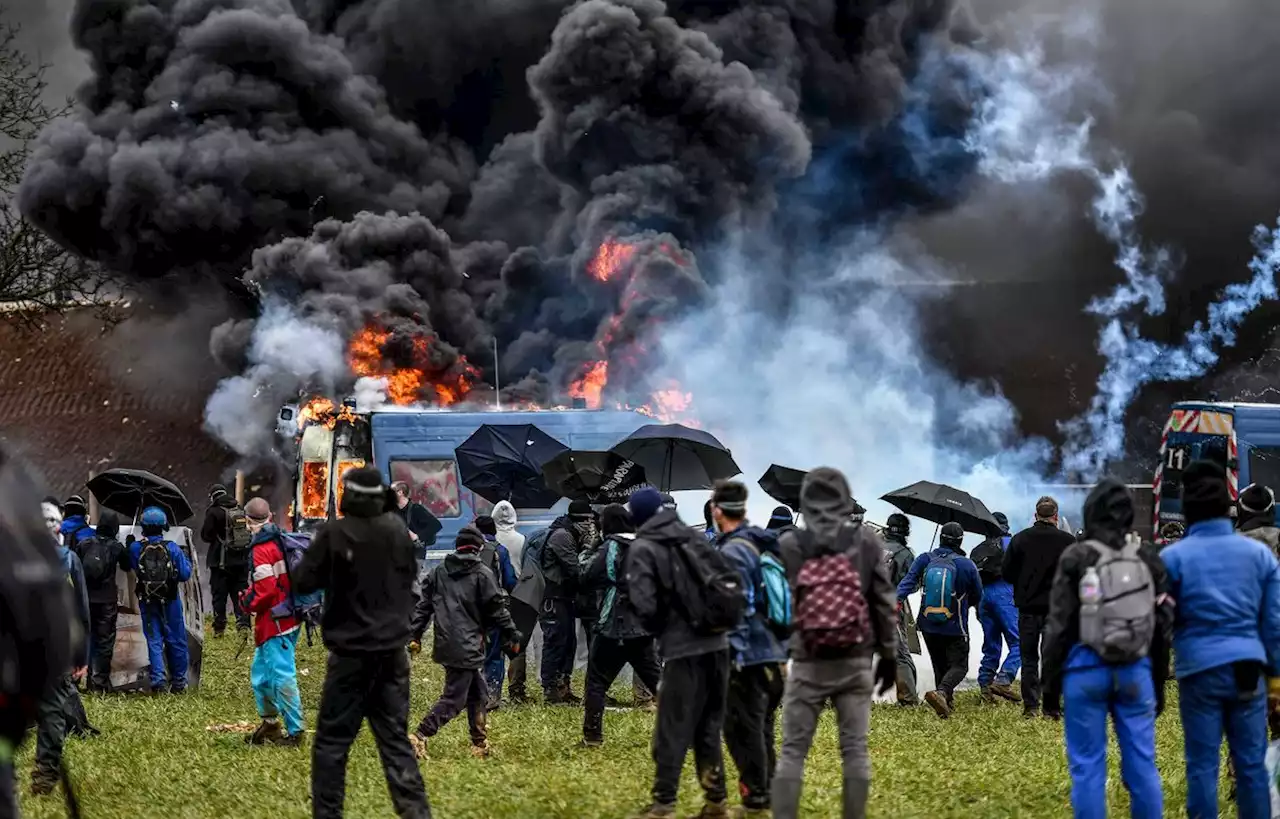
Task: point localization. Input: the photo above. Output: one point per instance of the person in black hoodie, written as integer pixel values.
(228, 565)
(1029, 565)
(464, 598)
(560, 568)
(102, 556)
(1132, 693)
(365, 564)
(695, 676)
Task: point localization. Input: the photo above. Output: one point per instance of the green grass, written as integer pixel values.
(156, 758)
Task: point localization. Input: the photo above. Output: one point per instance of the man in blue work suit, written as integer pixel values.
(159, 567)
(999, 618)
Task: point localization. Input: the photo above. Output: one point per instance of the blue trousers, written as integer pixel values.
(166, 635)
(274, 677)
(495, 665)
(999, 618)
(1211, 705)
(1125, 693)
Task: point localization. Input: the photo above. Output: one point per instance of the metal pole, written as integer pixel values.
(497, 380)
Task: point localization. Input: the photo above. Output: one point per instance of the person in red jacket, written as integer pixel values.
(274, 673)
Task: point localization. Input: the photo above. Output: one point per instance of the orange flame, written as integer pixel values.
(611, 257)
(407, 385)
(590, 386)
(315, 489)
(321, 410)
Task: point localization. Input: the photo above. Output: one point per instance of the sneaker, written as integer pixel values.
(571, 698)
(287, 741)
(987, 696)
(1030, 713)
(268, 731)
(713, 810)
(1053, 715)
(419, 743)
(657, 811)
(86, 732)
(938, 702)
(1005, 692)
(591, 743)
(480, 751)
(43, 782)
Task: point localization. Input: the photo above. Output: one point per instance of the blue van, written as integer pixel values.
(1244, 438)
(417, 447)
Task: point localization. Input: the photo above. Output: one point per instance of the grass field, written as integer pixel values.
(157, 758)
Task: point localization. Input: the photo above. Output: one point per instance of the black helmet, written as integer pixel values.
(898, 525)
(952, 534)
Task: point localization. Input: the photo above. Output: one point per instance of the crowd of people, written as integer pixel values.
(736, 628)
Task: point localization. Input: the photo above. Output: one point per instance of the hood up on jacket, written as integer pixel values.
(1108, 513)
(826, 503)
(504, 514)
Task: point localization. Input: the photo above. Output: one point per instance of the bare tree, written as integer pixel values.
(36, 274)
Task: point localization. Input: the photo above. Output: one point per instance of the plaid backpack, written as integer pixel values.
(832, 613)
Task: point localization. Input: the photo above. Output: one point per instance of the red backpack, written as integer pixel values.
(832, 613)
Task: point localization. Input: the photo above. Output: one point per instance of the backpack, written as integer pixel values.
(832, 614)
(156, 573)
(989, 558)
(534, 545)
(708, 586)
(237, 538)
(98, 560)
(1120, 623)
(305, 607)
(773, 592)
(939, 604)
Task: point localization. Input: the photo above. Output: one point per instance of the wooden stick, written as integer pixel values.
(239, 487)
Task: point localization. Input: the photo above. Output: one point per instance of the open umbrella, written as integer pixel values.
(596, 477)
(129, 491)
(782, 483)
(939, 503)
(504, 462)
(676, 458)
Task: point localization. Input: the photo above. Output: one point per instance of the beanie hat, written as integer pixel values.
(668, 502)
(73, 506)
(365, 480)
(952, 534)
(1003, 520)
(580, 509)
(781, 518)
(487, 525)
(217, 491)
(108, 525)
(1257, 499)
(468, 541)
(644, 504)
(1205, 495)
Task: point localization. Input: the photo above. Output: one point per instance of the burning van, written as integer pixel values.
(417, 446)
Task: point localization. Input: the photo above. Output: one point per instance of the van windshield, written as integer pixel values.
(1182, 450)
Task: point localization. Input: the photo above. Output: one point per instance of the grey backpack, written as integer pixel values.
(1118, 620)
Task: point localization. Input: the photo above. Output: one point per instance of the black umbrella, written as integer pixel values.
(782, 483)
(597, 477)
(129, 491)
(939, 503)
(504, 462)
(676, 458)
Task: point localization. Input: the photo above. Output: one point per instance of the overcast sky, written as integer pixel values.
(46, 38)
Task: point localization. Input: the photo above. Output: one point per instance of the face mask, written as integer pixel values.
(587, 532)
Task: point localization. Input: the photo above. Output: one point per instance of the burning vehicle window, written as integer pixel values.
(434, 484)
(313, 480)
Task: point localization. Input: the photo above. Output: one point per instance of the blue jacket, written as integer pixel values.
(75, 574)
(968, 590)
(179, 557)
(1226, 591)
(752, 642)
(509, 576)
(73, 530)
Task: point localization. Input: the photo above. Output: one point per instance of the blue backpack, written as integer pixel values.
(306, 607)
(773, 592)
(939, 604)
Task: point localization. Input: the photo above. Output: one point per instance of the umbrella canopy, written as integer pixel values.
(782, 483)
(676, 458)
(596, 477)
(939, 503)
(504, 462)
(129, 491)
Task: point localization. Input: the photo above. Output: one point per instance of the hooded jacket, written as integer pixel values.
(269, 586)
(504, 515)
(364, 562)
(214, 532)
(618, 618)
(1108, 520)
(494, 555)
(1030, 563)
(651, 585)
(899, 556)
(560, 560)
(826, 504)
(752, 642)
(73, 530)
(105, 536)
(464, 599)
(75, 576)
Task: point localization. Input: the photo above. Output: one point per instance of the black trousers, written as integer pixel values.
(1031, 630)
(463, 688)
(375, 687)
(691, 710)
(8, 802)
(749, 724)
(605, 662)
(102, 644)
(52, 727)
(559, 641)
(950, 657)
(228, 583)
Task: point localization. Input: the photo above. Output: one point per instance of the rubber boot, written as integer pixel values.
(786, 797)
(856, 791)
